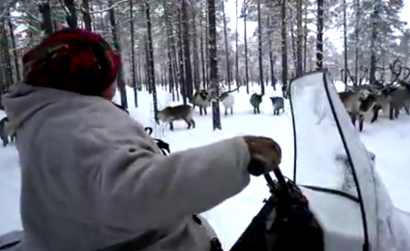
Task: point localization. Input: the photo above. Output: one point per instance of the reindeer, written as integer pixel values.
(383, 102)
(181, 112)
(228, 100)
(277, 104)
(256, 100)
(358, 100)
(7, 135)
(202, 99)
(400, 96)
(395, 95)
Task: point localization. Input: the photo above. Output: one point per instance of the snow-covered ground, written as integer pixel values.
(389, 140)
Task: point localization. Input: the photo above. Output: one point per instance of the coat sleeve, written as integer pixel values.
(138, 187)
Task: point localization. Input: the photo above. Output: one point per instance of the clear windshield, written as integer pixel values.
(322, 156)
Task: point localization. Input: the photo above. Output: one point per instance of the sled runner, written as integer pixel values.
(335, 200)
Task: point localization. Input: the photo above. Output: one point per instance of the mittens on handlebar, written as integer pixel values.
(266, 154)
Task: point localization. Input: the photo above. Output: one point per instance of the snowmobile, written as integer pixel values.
(335, 200)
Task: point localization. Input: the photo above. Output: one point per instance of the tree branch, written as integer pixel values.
(109, 8)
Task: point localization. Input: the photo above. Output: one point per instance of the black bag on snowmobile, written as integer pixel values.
(284, 222)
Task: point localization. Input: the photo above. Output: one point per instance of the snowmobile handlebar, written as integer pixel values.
(284, 222)
(281, 180)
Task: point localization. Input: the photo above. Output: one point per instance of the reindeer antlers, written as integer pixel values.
(407, 74)
(396, 63)
(365, 70)
(350, 75)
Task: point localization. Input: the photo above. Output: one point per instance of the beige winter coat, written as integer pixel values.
(91, 176)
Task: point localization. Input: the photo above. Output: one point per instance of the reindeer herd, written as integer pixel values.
(360, 100)
(390, 97)
(203, 99)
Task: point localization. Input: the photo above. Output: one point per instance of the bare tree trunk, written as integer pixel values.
(146, 67)
(94, 24)
(146, 79)
(5, 56)
(162, 75)
(13, 46)
(120, 78)
(319, 39)
(203, 64)
(293, 39)
(140, 61)
(45, 10)
(151, 64)
(86, 15)
(35, 24)
(236, 48)
(138, 71)
(102, 22)
(299, 39)
(346, 67)
(2, 68)
(228, 63)
(260, 48)
(213, 63)
(357, 30)
(176, 74)
(284, 49)
(181, 60)
(3, 87)
(271, 57)
(305, 38)
(374, 17)
(171, 71)
(178, 77)
(133, 79)
(72, 15)
(244, 14)
(187, 52)
(195, 49)
(207, 67)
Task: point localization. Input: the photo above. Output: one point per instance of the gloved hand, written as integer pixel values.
(266, 154)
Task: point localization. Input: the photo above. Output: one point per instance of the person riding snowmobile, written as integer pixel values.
(93, 179)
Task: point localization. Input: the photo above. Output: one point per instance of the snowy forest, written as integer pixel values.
(186, 45)
(250, 63)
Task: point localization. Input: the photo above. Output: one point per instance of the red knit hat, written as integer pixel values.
(72, 60)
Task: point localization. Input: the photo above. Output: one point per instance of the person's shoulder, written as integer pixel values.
(90, 122)
(87, 114)
(93, 108)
